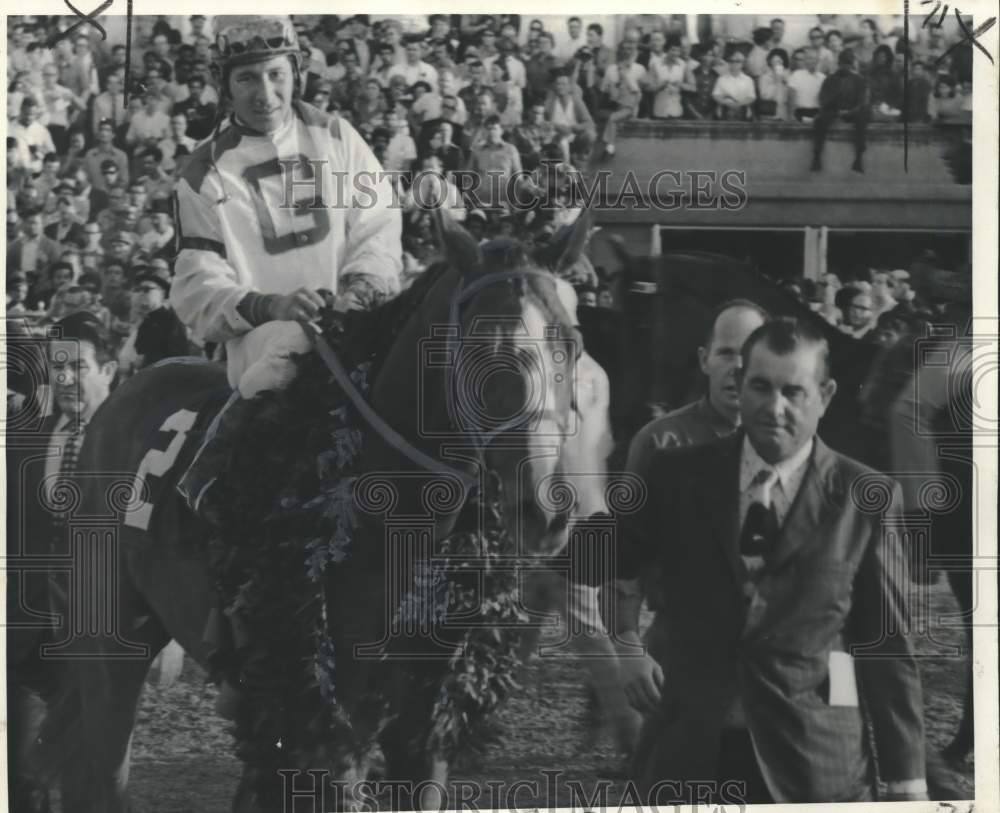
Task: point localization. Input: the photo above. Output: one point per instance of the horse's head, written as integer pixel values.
(521, 389)
(484, 377)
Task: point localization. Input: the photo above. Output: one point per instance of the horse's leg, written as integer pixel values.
(96, 780)
(961, 745)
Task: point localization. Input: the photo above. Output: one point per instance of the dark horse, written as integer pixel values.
(500, 407)
(667, 303)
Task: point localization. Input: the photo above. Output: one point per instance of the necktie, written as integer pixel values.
(760, 528)
(67, 468)
(760, 525)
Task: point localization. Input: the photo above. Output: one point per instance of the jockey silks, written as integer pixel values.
(307, 206)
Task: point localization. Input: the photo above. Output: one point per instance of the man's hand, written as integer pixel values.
(643, 679)
(302, 305)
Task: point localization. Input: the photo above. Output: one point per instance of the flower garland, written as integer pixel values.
(270, 565)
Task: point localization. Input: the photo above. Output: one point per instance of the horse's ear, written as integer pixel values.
(576, 242)
(460, 248)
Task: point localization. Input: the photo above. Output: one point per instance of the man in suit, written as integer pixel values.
(159, 334)
(81, 368)
(67, 230)
(777, 645)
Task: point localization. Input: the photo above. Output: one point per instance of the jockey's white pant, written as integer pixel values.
(261, 359)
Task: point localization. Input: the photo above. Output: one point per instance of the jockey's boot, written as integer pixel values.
(200, 485)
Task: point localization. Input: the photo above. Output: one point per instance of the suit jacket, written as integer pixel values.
(831, 582)
(73, 237)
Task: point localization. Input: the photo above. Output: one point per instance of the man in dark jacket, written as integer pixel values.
(161, 334)
(844, 95)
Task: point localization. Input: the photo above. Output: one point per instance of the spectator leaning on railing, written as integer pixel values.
(699, 102)
(804, 87)
(772, 87)
(734, 91)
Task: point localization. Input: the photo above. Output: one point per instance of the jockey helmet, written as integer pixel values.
(242, 39)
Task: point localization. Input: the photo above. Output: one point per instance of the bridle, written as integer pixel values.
(465, 291)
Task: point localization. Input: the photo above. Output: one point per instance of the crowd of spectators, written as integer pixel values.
(89, 177)
(882, 304)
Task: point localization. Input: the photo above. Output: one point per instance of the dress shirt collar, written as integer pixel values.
(789, 471)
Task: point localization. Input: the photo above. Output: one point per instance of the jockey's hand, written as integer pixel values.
(643, 681)
(302, 305)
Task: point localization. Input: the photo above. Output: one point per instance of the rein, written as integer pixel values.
(371, 417)
(377, 423)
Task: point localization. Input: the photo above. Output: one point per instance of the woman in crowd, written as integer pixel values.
(864, 48)
(772, 87)
(945, 104)
(856, 302)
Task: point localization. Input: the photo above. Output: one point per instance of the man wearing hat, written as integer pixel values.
(101, 159)
(249, 264)
(81, 367)
(162, 234)
(159, 334)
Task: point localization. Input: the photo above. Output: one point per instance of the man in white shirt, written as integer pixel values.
(664, 76)
(414, 69)
(570, 41)
(150, 125)
(803, 87)
(34, 140)
(734, 91)
(109, 105)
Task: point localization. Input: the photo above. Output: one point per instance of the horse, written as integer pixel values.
(667, 302)
(494, 401)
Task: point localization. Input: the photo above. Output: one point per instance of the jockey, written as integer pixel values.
(282, 202)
